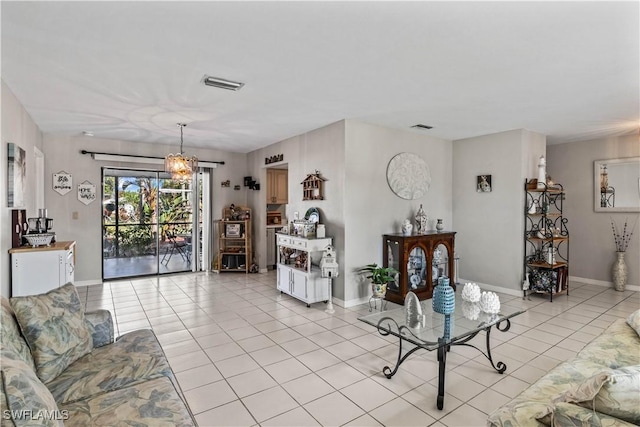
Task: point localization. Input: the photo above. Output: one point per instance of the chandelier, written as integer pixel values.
(180, 167)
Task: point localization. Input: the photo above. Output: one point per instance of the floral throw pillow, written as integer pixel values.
(55, 329)
(30, 402)
(615, 392)
(634, 321)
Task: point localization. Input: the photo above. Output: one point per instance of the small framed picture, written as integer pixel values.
(233, 230)
(483, 184)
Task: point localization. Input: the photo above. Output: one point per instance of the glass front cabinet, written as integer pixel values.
(420, 259)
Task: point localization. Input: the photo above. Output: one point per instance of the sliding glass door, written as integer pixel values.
(147, 224)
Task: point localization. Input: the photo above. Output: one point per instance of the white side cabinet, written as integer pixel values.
(41, 269)
(298, 272)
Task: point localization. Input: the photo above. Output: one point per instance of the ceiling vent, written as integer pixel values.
(419, 126)
(222, 83)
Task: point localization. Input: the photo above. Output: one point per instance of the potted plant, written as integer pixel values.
(379, 277)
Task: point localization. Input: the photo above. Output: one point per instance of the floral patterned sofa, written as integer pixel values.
(61, 366)
(599, 387)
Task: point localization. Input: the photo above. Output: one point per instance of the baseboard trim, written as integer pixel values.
(602, 283)
(351, 302)
(88, 282)
(494, 288)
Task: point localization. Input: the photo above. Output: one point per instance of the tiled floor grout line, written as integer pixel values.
(210, 296)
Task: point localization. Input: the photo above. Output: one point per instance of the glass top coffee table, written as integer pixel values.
(438, 332)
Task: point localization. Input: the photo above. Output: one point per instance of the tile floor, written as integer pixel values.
(245, 355)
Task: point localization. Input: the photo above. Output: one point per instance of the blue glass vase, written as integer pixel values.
(444, 297)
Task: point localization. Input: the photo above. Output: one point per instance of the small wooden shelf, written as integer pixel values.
(555, 214)
(549, 239)
(547, 265)
(234, 253)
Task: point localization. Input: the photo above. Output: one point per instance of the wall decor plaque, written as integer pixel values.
(86, 192)
(408, 176)
(62, 182)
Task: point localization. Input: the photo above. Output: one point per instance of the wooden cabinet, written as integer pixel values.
(277, 186)
(234, 240)
(297, 269)
(546, 240)
(420, 259)
(41, 269)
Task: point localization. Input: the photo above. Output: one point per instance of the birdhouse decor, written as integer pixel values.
(312, 187)
(328, 263)
(329, 270)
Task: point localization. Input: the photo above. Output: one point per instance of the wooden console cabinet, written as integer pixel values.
(420, 259)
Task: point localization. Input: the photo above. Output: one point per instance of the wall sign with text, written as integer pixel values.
(86, 192)
(62, 182)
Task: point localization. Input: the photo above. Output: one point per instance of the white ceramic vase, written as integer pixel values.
(619, 271)
(407, 227)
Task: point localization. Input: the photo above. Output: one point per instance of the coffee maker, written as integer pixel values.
(42, 224)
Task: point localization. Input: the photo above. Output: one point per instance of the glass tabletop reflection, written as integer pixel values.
(433, 329)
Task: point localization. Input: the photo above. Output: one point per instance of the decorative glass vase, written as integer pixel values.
(619, 271)
(444, 298)
(439, 225)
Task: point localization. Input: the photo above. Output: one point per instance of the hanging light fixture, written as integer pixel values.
(180, 167)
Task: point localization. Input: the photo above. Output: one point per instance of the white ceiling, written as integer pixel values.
(132, 70)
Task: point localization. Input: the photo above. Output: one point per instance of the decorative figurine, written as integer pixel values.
(421, 220)
(489, 302)
(542, 174)
(413, 311)
(471, 292)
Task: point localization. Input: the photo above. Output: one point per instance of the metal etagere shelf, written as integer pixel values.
(546, 240)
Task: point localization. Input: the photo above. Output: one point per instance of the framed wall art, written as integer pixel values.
(16, 175)
(483, 184)
(62, 182)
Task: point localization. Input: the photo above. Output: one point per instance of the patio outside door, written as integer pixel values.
(147, 224)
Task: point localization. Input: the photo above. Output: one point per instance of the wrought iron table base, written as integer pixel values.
(443, 349)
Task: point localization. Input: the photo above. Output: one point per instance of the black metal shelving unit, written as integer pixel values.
(546, 240)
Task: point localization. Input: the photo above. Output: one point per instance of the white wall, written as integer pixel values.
(592, 250)
(371, 209)
(490, 226)
(63, 153)
(359, 207)
(18, 128)
(320, 149)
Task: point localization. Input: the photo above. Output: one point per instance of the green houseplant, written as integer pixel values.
(379, 277)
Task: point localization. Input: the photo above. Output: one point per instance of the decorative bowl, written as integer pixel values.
(43, 239)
